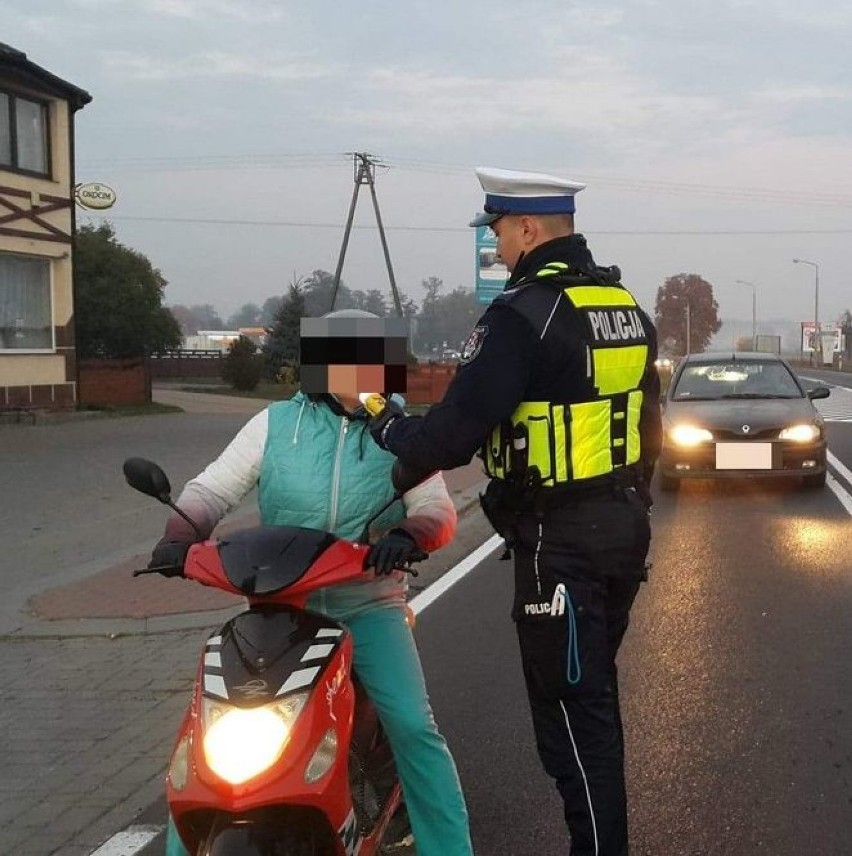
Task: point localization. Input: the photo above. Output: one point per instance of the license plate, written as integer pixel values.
(744, 456)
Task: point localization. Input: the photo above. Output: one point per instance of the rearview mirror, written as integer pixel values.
(146, 477)
(819, 392)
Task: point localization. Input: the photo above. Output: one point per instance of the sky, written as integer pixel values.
(714, 138)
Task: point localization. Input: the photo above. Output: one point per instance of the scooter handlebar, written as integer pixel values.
(163, 570)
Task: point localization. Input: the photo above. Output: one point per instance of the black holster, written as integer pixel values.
(498, 511)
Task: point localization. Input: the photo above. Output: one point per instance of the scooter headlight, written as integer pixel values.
(240, 743)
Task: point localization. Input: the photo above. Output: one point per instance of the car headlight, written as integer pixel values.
(240, 743)
(805, 433)
(689, 435)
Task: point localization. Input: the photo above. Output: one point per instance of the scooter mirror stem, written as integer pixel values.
(186, 517)
(365, 533)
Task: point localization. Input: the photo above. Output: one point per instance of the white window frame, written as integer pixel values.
(6, 352)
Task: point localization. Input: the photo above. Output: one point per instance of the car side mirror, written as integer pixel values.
(819, 392)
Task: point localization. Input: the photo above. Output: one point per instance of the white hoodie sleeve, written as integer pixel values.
(431, 514)
(222, 485)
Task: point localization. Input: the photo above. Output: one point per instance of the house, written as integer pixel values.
(37, 216)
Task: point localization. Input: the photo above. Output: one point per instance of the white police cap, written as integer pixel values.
(509, 191)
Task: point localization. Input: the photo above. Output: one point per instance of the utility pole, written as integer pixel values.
(688, 342)
(365, 169)
(753, 311)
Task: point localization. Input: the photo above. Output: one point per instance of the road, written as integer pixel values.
(736, 684)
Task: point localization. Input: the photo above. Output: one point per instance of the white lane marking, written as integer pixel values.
(449, 579)
(134, 838)
(840, 492)
(126, 843)
(822, 382)
(838, 406)
(839, 466)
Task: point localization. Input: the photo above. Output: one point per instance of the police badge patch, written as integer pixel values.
(473, 345)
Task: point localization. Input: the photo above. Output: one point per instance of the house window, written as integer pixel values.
(23, 134)
(25, 314)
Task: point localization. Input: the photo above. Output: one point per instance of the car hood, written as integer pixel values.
(732, 414)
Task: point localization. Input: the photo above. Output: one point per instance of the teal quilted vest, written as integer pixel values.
(323, 471)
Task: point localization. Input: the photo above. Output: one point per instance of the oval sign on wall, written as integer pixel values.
(94, 195)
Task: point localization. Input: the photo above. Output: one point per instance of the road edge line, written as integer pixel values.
(451, 577)
(128, 841)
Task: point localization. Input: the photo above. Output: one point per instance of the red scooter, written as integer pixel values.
(280, 752)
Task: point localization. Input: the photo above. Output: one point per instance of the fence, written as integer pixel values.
(427, 382)
(186, 363)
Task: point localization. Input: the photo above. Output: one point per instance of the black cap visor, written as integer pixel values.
(487, 217)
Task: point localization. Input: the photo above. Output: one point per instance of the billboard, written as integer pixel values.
(826, 330)
(491, 273)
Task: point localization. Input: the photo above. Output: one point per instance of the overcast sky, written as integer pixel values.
(715, 137)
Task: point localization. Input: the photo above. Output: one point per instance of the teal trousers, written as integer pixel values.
(388, 666)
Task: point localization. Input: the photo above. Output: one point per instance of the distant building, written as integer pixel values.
(37, 354)
(211, 340)
(220, 340)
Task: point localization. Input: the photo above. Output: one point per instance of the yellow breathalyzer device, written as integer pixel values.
(373, 403)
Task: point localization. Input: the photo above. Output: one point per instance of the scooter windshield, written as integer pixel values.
(267, 559)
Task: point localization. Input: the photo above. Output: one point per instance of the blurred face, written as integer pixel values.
(346, 382)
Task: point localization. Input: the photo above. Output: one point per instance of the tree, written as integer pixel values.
(243, 365)
(845, 322)
(189, 323)
(429, 336)
(686, 292)
(270, 309)
(319, 288)
(248, 315)
(118, 300)
(207, 316)
(282, 344)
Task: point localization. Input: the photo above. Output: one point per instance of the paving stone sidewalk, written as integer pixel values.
(95, 684)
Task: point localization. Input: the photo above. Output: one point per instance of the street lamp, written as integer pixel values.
(815, 266)
(753, 311)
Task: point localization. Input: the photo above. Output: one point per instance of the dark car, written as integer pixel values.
(741, 415)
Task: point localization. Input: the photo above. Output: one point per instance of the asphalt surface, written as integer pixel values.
(736, 678)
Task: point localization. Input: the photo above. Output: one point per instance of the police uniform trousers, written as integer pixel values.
(578, 568)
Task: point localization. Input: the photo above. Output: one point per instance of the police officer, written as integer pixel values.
(558, 390)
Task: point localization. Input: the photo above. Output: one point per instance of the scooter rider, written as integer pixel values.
(314, 466)
(558, 389)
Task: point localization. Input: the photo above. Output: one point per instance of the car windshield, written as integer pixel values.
(712, 381)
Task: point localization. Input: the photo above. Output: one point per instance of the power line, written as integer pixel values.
(280, 161)
(214, 221)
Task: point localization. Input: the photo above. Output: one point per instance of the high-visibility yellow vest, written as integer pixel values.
(569, 441)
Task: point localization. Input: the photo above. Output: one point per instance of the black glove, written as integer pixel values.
(169, 556)
(378, 425)
(392, 551)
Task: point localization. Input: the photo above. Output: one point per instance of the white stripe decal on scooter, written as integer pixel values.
(329, 632)
(317, 652)
(215, 685)
(213, 658)
(299, 679)
(214, 641)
